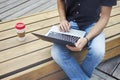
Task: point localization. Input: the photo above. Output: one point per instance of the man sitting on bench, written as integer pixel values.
(92, 17)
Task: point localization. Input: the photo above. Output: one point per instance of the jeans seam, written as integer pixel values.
(73, 68)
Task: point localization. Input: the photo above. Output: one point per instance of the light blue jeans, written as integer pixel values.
(68, 63)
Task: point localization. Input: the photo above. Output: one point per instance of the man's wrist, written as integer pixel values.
(86, 39)
(62, 18)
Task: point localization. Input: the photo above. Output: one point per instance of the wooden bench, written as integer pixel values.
(31, 59)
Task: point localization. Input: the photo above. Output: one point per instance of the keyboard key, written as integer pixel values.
(64, 37)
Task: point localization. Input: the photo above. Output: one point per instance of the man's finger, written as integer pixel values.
(71, 48)
(67, 27)
(62, 27)
(78, 43)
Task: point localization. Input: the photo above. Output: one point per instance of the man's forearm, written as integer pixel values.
(100, 25)
(61, 9)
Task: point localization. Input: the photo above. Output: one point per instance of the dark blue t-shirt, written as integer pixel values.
(85, 12)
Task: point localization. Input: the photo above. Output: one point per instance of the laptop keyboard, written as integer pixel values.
(64, 37)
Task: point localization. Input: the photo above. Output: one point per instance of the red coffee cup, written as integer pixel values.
(20, 27)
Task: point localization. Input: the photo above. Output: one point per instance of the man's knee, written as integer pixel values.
(97, 52)
(60, 53)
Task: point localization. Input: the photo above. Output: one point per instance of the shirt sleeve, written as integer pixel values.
(108, 2)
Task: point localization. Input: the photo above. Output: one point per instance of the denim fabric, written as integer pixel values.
(68, 63)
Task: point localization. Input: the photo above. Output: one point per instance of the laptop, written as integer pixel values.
(56, 36)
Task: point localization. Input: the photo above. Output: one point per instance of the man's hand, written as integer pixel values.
(79, 45)
(64, 26)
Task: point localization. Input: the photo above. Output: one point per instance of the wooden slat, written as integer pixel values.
(118, 4)
(1, 1)
(102, 75)
(117, 72)
(13, 42)
(115, 11)
(39, 71)
(115, 29)
(113, 42)
(44, 7)
(5, 4)
(21, 6)
(96, 77)
(13, 8)
(114, 20)
(54, 6)
(32, 6)
(28, 19)
(112, 53)
(110, 65)
(59, 75)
